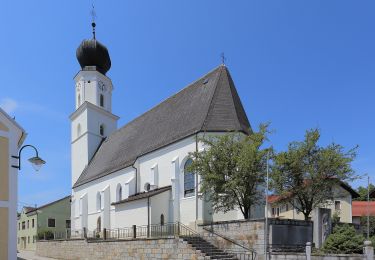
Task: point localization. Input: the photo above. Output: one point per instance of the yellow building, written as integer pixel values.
(11, 138)
(341, 206)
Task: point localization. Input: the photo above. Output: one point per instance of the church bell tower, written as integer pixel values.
(92, 120)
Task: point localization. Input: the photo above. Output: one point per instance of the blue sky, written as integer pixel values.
(296, 64)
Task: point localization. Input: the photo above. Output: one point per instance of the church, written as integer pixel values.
(135, 175)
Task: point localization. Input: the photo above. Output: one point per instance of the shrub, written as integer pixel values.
(344, 240)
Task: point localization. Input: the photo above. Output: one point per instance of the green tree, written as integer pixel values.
(363, 193)
(363, 223)
(343, 240)
(232, 168)
(305, 174)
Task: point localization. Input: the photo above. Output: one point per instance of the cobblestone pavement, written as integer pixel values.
(30, 255)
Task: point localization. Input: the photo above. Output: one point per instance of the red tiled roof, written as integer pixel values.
(273, 198)
(359, 208)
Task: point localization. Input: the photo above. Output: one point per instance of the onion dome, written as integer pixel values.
(93, 53)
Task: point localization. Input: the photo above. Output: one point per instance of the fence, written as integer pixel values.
(168, 230)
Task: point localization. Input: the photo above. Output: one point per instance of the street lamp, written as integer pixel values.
(36, 161)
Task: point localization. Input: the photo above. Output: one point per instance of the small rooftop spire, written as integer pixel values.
(93, 24)
(223, 58)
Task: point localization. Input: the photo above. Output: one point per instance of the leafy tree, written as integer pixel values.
(363, 193)
(343, 240)
(305, 174)
(363, 223)
(232, 168)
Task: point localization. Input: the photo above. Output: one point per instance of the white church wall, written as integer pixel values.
(91, 188)
(160, 205)
(131, 213)
(157, 166)
(188, 211)
(162, 158)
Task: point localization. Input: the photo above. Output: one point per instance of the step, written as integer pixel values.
(204, 247)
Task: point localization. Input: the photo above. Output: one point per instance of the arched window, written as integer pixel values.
(162, 219)
(101, 100)
(189, 180)
(79, 99)
(119, 192)
(79, 130)
(98, 201)
(101, 130)
(99, 224)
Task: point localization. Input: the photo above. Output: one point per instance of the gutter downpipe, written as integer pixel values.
(148, 217)
(196, 184)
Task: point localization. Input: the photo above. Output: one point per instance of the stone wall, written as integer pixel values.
(249, 233)
(125, 249)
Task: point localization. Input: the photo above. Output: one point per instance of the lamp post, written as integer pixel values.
(368, 207)
(36, 161)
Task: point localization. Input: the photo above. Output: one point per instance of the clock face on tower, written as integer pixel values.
(102, 86)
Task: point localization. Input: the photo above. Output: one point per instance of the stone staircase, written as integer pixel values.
(211, 251)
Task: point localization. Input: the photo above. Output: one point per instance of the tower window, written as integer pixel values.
(79, 130)
(101, 130)
(162, 219)
(101, 100)
(189, 180)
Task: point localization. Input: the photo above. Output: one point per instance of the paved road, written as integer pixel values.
(30, 255)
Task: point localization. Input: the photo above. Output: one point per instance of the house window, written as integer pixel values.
(189, 180)
(51, 222)
(286, 207)
(101, 130)
(101, 100)
(98, 201)
(67, 223)
(277, 211)
(32, 223)
(28, 224)
(19, 226)
(23, 225)
(337, 205)
(162, 219)
(273, 211)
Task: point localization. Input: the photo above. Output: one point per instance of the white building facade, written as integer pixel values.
(136, 175)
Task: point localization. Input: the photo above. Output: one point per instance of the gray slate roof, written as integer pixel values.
(210, 104)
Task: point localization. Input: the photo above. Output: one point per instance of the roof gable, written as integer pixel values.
(209, 104)
(10, 120)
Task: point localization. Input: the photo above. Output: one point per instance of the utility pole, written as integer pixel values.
(266, 222)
